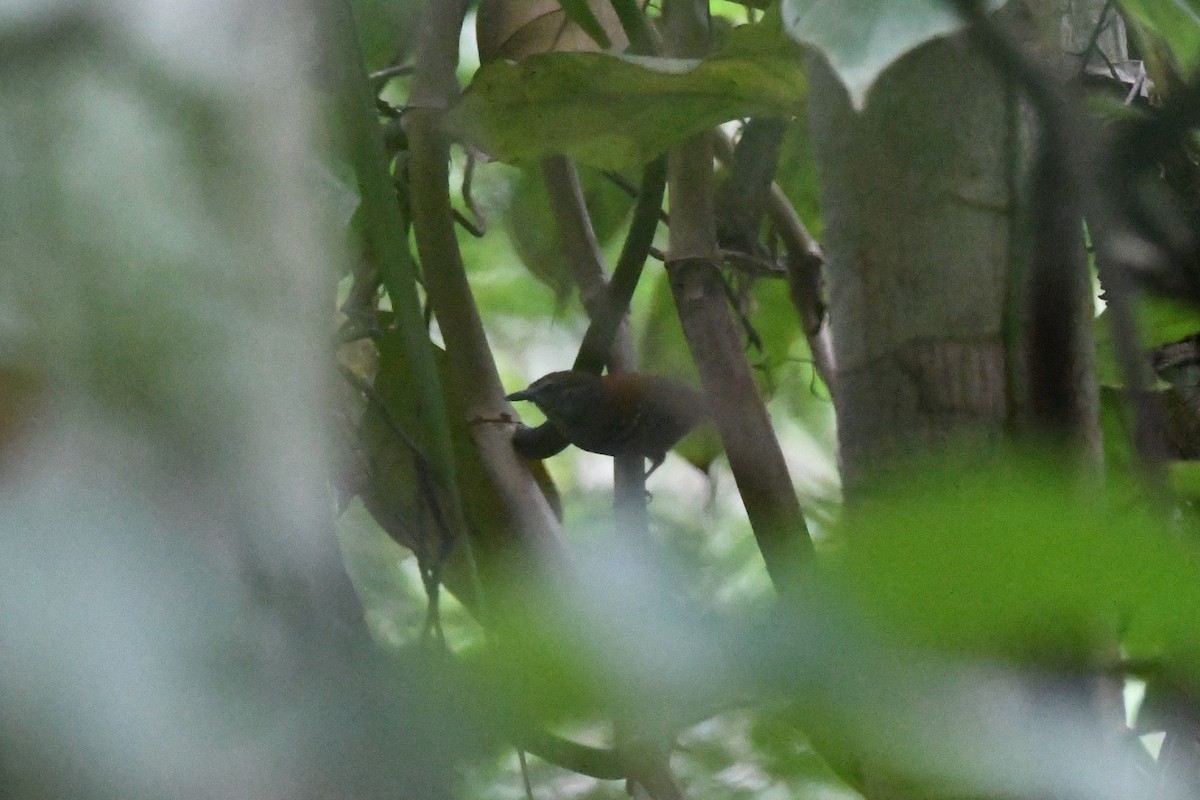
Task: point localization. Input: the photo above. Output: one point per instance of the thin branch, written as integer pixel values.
(476, 230)
(804, 264)
(525, 774)
(627, 186)
(742, 197)
(545, 440)
(1094, 40)
(479, 227)
(629, 267)
(582, 251)
(387, 73)
(741, 417)
(643, 38)
(595, 762)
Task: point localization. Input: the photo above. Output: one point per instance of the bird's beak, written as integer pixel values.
(521, 395)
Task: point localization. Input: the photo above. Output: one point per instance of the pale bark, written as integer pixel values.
(918, 207)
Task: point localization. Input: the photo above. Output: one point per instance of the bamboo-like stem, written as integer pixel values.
(628, 271)
(386, 237)
(582, 251)
(586, 264)
(741, 417)
(643, 38)
(472, 370)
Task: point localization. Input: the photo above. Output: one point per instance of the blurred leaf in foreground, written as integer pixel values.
(1022, 562)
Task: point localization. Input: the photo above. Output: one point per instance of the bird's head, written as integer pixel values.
(564, 396)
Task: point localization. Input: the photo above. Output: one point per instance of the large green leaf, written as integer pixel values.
(383, 26)
(862, 38)
(1176, 21)
(617, 112)
(1163, 320)
(1016, 560)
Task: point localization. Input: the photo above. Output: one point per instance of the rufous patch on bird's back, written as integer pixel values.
(627, 413)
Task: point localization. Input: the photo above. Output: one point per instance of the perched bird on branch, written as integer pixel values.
(629, 413)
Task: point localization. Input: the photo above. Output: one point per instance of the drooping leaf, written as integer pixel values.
(618, 112)
(862, 38)
(406, 506)
(1177, 22)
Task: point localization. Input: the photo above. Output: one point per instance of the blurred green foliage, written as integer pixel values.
(934, 583)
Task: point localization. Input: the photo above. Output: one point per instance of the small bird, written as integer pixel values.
(630, 413)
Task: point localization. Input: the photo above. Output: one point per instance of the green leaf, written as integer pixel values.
(617, 112)
(862, 38)
(382, 28)
(1185, 479)
(1023, 562)
(1160, 321)
(581, 14)
(533, 231)
(1116, 428)
(1177, 22)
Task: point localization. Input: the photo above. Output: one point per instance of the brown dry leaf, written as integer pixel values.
(514, 29)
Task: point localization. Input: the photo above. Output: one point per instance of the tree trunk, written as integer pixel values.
(919, 208)
(922, 197)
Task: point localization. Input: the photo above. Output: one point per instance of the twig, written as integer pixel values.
(470, 227)
(1094, 39)
(387, 73)
(804, 265)
(479, 228)
(622, 183)
(628, 271)
(525, 773)
(741, 199)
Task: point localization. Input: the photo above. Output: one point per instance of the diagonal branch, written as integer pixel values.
(741, 417)
(473, 373)
(545, 441)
